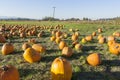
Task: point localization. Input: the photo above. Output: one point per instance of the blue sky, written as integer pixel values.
(38, 9)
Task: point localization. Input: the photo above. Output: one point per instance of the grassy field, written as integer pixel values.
(109, 69)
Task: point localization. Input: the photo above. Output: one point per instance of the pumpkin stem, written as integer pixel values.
(60, 57)
(5, 68)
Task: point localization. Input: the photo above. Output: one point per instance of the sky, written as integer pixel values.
(38, 9)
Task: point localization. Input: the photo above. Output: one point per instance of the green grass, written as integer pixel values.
(109, 68)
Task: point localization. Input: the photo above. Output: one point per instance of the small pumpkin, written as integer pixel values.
(84, 40)
(7, 48)
(2, 39)
(94, 59)
(31, 56)
(39, 48)
(61, 69)
(78, 46)
(52, 38)
(67, 51)
(9, 72)
(62, 44)
(101, 40)
(25, 46)
(74, 37)
(57, 40)
(99, 30)
(89, 38)
(94, 34)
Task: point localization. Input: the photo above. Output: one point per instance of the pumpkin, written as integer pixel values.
(78, 46)
(61, 69)
(32, 40)
(2, 39)
(94, 34)
(57, 40)
(102, 40)
(77, 33)
(31, 56)
(111, 43)
(99, 30)
(115, 49)
(62, 44)
(52, 38)
(89, 38)
(58, 33)
(67, 51)
(99, 36)
(111, 38)
(25, 46)
(9, 72)
(116, 34)
(74, 37)
(74, 43)
(7, 48)
(83, 40)
(94, 59)
(39, 48)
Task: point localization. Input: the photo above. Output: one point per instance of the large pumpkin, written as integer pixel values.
(94, 59)
(7, 48)
(39, 48)
(9, 72)
(30, 55)
(67, 51)
(61, 69)
(62, 44)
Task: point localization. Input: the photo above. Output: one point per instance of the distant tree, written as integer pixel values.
(50, 19)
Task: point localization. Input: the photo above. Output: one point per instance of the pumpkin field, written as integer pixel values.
(88, 50)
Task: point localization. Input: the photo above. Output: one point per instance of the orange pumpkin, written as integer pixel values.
(7, 48)
(52, 38)
(39, 48)
(78, 46)
(57, 40)
(99, 30)
(94, 59)
(61, 69)
(62, 44)
(111, 38)
(115, 48)
(58, 33)
(25, 46)
(31, 56)
(9, 72)
(99, 36)
(94, 34)
(67, 51)
(111, 43)
(74, 37)
(89, 38)
(102, 40)
(2, 39)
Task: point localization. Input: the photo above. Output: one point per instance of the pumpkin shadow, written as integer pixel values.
(88, 48)
(105, 74)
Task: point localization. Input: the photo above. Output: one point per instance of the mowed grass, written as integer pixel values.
(109, 69)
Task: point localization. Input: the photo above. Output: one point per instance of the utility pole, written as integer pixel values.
(54, 12)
